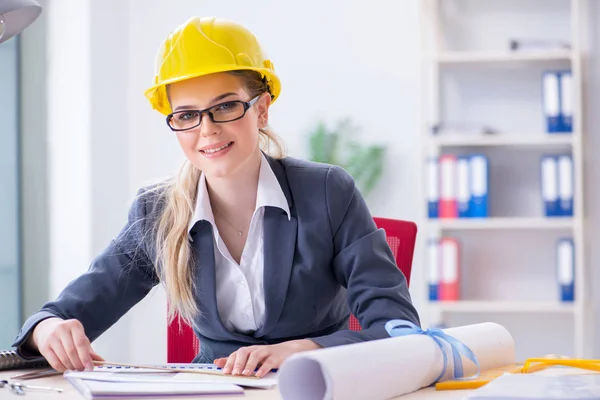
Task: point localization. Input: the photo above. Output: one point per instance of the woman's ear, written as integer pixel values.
(262, 106)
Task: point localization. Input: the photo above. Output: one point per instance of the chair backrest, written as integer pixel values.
(401, 237)
(183, 345)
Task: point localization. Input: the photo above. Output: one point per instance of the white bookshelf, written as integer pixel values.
(440, 56)
(464, 57)
(467, 306)
(502, 140)
(495, 223)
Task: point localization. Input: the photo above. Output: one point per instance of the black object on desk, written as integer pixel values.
(11, 360)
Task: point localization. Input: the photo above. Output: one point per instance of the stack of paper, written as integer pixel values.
(115, 381)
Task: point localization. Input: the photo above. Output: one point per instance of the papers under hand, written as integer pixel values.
(181, 373)
(95, 389)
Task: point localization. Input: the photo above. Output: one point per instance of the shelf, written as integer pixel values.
(465, 306)
(502, 223)
(497, 140)
(469, 57)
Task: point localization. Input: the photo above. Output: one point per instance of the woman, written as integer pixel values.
(263, 255)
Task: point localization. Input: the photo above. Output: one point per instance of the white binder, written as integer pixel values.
(565, 185)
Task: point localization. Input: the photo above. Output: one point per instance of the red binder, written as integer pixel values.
(448, 185)
(449, 282)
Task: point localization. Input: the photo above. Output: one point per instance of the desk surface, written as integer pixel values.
(71, 394)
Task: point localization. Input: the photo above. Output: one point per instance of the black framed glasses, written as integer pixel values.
(223, 112)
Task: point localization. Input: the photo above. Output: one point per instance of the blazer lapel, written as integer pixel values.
(279, 248)
(209, 324)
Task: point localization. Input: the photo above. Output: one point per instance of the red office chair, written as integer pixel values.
(183, 345)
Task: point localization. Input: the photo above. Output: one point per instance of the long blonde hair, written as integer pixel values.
(174, 259)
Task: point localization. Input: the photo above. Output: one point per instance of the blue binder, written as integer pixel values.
(565, 264)
(549, 185)
(551, 101)
(566, 102)
(479, 171)
(433, 192)
(433, 259)
(565, 185)
(463, 192)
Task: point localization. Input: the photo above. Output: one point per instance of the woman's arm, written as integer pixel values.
(364, 264)
(117, 279)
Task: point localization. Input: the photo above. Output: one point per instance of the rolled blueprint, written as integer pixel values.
(385, 368)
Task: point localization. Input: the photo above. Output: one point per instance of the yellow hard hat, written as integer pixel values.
(203, 46)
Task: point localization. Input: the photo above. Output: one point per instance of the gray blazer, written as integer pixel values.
(327, 261)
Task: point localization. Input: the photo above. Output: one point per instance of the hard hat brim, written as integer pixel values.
(157, 94)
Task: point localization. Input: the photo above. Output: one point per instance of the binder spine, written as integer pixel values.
(565, 258)
(479, 186)
(551, 101)
(433, 260)
(433, 181)
(566, 102)
(565, 185)
(463, 192)
(549, 178)
(448, 207)
(449, 287)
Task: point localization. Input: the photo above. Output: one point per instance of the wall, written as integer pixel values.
(9, 200)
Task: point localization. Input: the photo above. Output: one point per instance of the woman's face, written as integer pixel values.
(218, 149)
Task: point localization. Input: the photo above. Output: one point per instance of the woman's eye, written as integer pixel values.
(226, 106)
(186, 116)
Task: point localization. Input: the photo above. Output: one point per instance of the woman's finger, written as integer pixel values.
(256, 357)
(60, 352)
(268, 364)
(95, 356)
(71, 351)
(220, 362)
(53, 359)
(240, 360)
(83, 347)
(229, 364)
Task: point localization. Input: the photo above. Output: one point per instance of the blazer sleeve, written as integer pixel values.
(116, 280)
(364, 264)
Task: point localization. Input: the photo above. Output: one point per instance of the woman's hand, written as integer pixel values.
(246, 359)
(64, 345)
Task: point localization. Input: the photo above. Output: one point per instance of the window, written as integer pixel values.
(10, 288)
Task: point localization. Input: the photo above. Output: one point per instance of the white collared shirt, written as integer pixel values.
(240, 288)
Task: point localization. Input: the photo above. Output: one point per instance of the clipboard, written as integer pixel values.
(529, 366)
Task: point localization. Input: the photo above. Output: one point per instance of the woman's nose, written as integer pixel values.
(208, 127)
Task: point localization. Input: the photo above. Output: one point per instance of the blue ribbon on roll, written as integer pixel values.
(400, 327)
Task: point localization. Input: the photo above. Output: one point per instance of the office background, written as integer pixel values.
(89, 139)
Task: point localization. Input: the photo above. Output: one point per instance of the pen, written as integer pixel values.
(32, 387)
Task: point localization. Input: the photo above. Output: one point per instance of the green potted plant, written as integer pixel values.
(339, 146)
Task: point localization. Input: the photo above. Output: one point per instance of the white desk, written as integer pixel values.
(71, 394)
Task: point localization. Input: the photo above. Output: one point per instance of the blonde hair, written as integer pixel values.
(174, 259)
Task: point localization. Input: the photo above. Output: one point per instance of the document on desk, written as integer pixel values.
(386, 368)
(135, 375)
(540, 387)
(92, 389)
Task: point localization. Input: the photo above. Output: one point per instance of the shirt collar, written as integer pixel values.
(269, 194)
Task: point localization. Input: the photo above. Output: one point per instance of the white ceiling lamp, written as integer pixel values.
(16, 15)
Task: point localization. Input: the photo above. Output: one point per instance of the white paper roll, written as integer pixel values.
(382, 369)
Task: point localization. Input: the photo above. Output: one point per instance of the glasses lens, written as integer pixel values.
(185, 120)
(227, 111)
